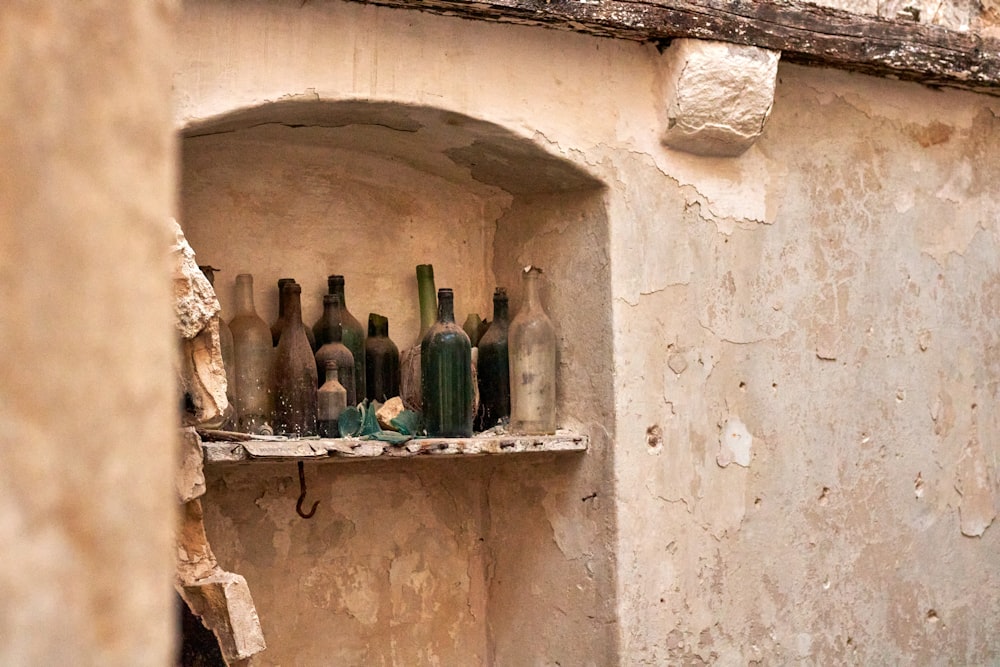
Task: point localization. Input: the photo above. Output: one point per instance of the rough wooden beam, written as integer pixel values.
(804, 33)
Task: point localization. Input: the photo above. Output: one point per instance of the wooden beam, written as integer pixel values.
(804, 33)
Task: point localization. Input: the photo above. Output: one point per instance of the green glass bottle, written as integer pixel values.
(354, 334)
(334, 349)
(494, 369)
(446, 374)
(381, 360)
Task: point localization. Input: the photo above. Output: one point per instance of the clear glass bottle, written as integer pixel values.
(446, 374)
(494, 369)
(353, 336)
(381, 360)
(334, 349)
(295, 379)
(252, 356)
(532, 349)
(331, 400)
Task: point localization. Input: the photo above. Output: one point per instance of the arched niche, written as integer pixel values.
(370, 190)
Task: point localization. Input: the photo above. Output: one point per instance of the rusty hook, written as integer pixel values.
(302, 495)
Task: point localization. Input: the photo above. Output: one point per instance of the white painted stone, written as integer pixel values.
(718, 96)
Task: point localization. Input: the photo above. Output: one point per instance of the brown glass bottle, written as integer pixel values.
(494, 369)
(280, 322)
(353, 334)
(334, 349)
(381, 360)
(331, 401)
(295, 380)
(252, 357)
(446, 374)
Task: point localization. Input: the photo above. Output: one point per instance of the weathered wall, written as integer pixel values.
(834, 291)
(87, 405)
(828, 294)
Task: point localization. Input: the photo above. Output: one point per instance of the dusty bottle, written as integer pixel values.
(354, 334)
(532, 341)
(381, 360)
(279, 323)
(331, 400)
(252, 355)
(494, 370)
(295, 379)
(446, 374)
(409, 361)
(334, 349)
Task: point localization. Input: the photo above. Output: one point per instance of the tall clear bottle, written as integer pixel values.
(532, 341)
(381, 360)
(354, 334)
(252, 356)
(446, 374)
(334, 349)
(494, 368)
(295, 378)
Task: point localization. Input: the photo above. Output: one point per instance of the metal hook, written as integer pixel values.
(302, 495)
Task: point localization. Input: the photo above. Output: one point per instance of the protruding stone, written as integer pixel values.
(190, 479)
(718, 96)
(389, 411)
(224, 604)
(202, 372)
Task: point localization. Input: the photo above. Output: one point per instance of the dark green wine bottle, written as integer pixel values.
(295, 379)
(446, 374)
(494, 369)
(354, 335)
(381, 360)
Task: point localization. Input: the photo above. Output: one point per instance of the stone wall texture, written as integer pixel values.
(88, 409)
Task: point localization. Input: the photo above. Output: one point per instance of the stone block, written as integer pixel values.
(225, 606)
(718, 96)
(190, 479)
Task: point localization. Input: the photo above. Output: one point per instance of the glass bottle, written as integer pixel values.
(331, 400)
(354, 334)
(426, 297)
(409, 360)
(446, 374)
(335, 349)
(494, 371)
(381, 360)
(280, 322)
(252, 355)
(532, 341)
(295, 379)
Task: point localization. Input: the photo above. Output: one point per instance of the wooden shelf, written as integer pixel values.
(352, 449)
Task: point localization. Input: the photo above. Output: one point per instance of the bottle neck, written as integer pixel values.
(378, 325)
(292, 294)
(281, 296)
(500, 305)
(446, 305)
(425, 294)
(335, 286)
(532, 299)
(244, 294)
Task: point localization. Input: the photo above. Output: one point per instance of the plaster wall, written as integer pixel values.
(787, 458)
(87, 402)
